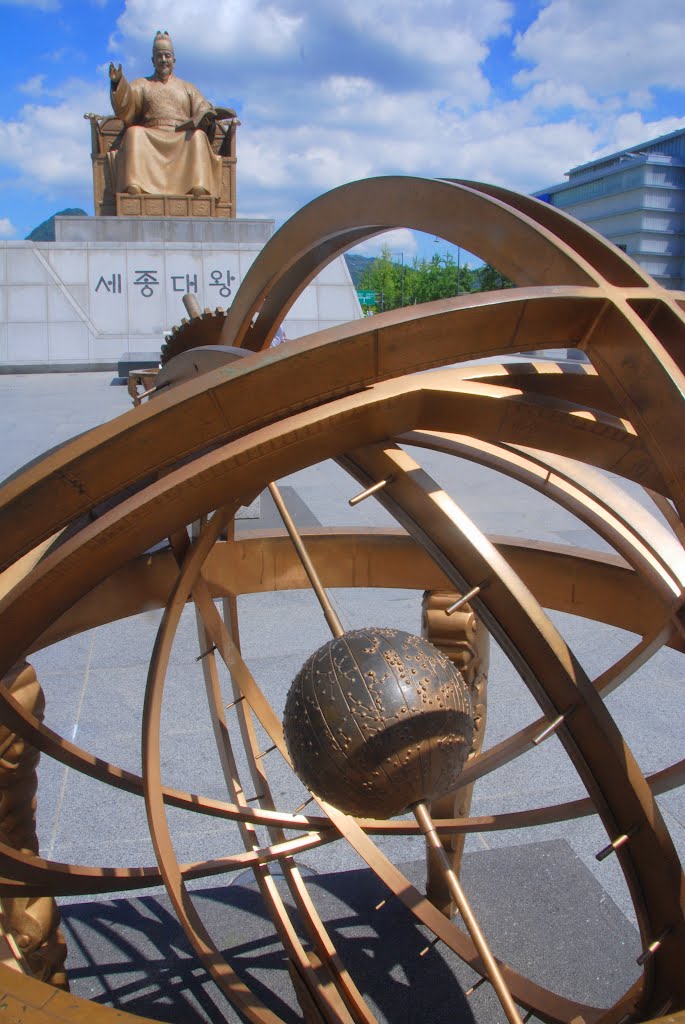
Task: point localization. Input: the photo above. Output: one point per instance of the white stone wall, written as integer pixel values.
(85, 302)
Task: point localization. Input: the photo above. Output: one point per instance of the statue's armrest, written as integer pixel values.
(226, 124)
(106, 132)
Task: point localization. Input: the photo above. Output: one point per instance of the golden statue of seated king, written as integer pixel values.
(163, 143)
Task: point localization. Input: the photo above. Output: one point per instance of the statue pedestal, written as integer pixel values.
(165, 206)
(112, 285)
(234, 232)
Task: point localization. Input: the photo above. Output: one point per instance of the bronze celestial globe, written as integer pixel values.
(377, 720)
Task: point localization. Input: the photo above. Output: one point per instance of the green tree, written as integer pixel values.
(490, 279)
(438, 278)
(425, 280)
(384, 277)
(467, 280)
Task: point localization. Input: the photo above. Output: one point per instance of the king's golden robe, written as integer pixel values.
(153, 156)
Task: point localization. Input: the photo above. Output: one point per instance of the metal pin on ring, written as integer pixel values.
(477, 984)
(614, 845)
(234, 702)
(369, 491)
(652, 948)
(205, 653)
(265, 752)
(464, 599)
(146, 394)
(551, 728)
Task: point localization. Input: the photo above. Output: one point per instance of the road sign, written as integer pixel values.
(366, 298)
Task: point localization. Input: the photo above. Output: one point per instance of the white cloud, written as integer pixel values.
(33, 86)
(7, 228)
(329, 93)
(445, 42)
(399, 242)
(332, 93)
(48, 144)
(259, 45)
(606, 48)
(550, 96)
(631, 128)
(211, 29)
(344, 89)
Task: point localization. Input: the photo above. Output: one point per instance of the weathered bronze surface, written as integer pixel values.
(355, 394)
(31, 923)
(465, 641)
(377, 720)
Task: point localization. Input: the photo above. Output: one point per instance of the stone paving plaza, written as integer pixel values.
(544, 901)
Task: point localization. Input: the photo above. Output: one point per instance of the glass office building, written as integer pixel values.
(636, 198)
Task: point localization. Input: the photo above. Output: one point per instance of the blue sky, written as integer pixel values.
(515, 93)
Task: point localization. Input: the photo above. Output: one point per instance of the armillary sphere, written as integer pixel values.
(75, 525)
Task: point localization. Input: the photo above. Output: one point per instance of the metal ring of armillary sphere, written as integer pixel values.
(196, 452)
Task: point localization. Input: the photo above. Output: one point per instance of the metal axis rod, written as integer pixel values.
(425, 822)
(326, 606)
(192, 305)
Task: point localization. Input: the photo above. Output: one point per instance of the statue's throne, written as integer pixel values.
(107, 133)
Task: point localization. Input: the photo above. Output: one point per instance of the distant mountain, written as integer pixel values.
(45, 232)
(357, 265)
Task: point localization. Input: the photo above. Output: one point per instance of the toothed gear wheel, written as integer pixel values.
(199, 330)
